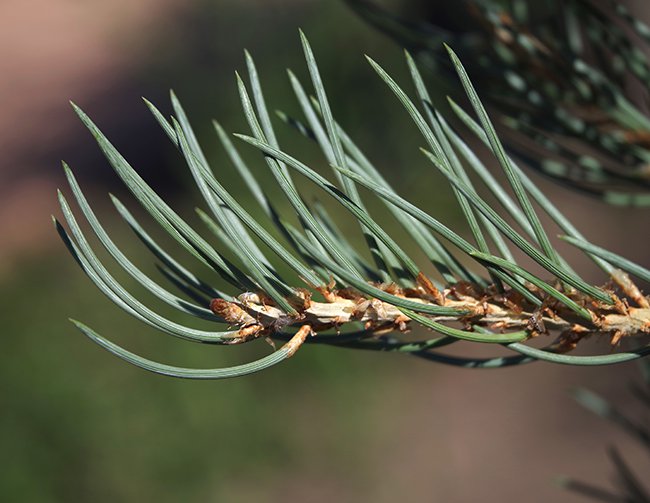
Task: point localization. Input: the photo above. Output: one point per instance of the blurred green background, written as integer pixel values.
(329, 425)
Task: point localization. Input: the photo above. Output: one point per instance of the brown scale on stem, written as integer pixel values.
(429, 288)
(297, 340)
(536, 324)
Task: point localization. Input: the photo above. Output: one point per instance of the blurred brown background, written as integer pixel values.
(79, 425)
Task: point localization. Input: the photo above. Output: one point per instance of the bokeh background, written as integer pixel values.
(78, 424)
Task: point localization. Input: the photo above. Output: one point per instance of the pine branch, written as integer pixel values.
(342, 299)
